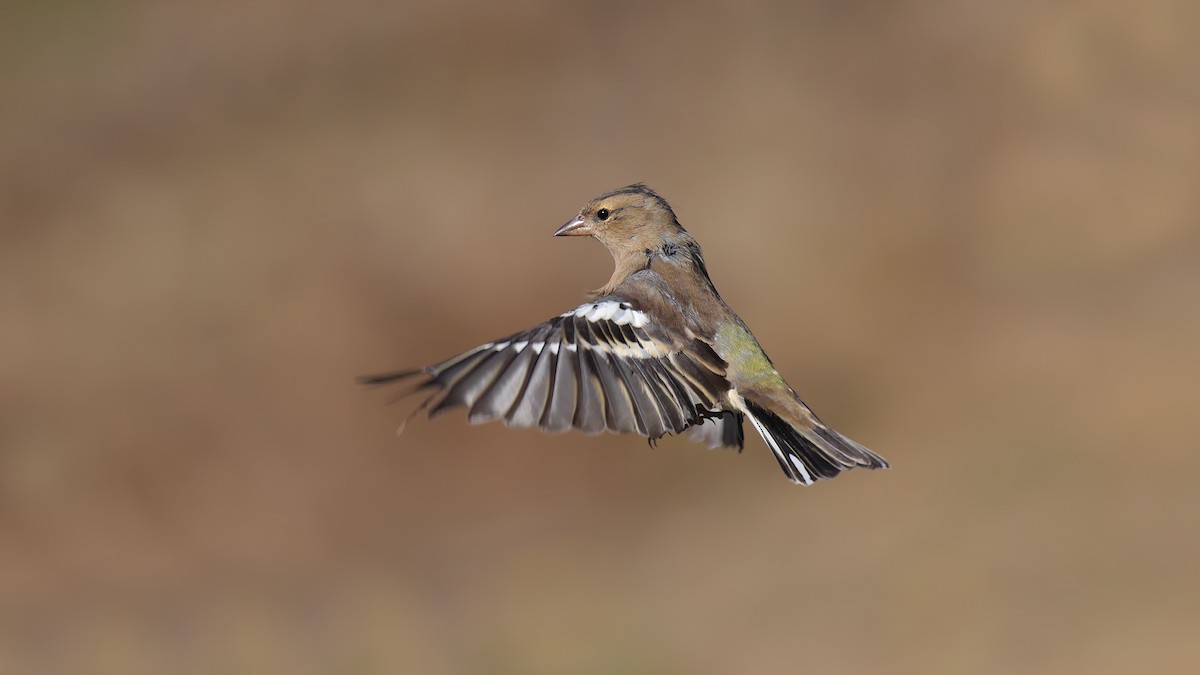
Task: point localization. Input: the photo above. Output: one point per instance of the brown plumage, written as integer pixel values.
(656, 351)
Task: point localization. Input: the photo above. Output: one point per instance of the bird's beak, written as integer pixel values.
(574, 228)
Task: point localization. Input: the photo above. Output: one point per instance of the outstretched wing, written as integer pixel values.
(606, 365)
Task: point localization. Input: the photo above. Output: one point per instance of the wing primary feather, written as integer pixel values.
(447, 376)
(658, 420)
(473, 382)
(454, 362)
(504, 389)
(589, 414)
(564, 392)
(527, 408)
(680, 401)
(689, 398)
(388, 378)
(618, 408)
(692, 373)
(416, 411)
(645, 406)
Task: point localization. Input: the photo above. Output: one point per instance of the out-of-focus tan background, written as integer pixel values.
(969, 233)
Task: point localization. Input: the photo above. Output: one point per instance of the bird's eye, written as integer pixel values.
(602, 214)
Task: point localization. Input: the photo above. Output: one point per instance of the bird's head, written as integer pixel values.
(626, 220)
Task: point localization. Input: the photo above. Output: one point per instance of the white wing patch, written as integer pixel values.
(620, 313)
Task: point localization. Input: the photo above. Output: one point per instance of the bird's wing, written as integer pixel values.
(606, 365)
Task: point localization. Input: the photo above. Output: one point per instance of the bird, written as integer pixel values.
(654, 351)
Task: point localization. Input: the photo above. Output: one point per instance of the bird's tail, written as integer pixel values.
(810, 454)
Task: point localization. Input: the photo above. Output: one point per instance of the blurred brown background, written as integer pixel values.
(969, 233)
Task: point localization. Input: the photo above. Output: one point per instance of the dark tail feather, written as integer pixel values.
(809, 455)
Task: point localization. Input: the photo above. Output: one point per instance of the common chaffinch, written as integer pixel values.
(655, 351)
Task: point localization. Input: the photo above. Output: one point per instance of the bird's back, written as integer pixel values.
(686, 300)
